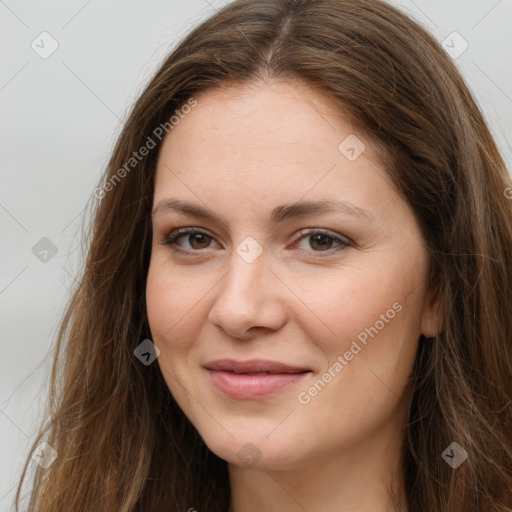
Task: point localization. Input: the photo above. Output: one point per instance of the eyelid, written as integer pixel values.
(343, 241)
(176, 233)
(327, 232)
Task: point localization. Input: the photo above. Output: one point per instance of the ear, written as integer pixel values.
(431, 321)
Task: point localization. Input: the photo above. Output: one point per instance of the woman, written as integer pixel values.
(297, 292)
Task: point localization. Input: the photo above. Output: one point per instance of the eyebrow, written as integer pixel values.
(279, 213)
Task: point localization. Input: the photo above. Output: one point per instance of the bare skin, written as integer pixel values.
(304, 300)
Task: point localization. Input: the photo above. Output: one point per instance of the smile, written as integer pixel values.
(253, 379)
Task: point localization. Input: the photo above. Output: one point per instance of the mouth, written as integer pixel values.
(253, 379)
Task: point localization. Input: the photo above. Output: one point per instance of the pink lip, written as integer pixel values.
(252, 379)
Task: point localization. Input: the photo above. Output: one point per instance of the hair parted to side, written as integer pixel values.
(123, 444)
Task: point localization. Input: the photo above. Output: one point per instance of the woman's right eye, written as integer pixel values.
(195, 237)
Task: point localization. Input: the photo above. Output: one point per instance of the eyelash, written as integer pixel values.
(172, 237)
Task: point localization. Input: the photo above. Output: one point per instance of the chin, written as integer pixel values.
(258, 451)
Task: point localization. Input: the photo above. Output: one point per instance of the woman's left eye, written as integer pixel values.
(323, 239)
(197, 239)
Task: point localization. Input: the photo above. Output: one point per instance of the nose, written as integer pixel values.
(250, 299)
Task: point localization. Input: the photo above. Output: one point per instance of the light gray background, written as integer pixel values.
(59, 119)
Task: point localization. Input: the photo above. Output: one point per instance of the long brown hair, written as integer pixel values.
(123, 444)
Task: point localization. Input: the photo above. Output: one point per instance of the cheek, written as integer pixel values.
(369, 358)
(346, 303)
(171, 304)
(172, 309)
(369, 318)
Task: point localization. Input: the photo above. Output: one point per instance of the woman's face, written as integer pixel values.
(338, 293)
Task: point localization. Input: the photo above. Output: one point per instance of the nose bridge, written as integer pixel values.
(248, 270)
(247, 296)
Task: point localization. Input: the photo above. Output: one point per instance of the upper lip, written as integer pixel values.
(253, 366)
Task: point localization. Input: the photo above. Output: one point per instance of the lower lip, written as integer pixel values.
(247, 386)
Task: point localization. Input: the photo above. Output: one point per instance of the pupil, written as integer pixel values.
(317, 237)
(193, 238)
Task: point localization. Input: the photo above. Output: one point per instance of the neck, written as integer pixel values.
(356, 479)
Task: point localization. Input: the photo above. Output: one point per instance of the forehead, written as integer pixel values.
(263, 114)
(268, 118)
(261, 142)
